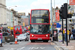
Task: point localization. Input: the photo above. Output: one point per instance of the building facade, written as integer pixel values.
(3, 12)
(25, 20)
(16, 18)
(21, 13)
(9, 18)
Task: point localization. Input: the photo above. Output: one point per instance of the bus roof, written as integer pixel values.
(39, 9)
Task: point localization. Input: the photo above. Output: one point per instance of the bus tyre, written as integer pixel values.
(45, 41)
(32, 41)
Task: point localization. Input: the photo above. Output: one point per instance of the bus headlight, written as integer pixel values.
(46, 35)
(32, 35)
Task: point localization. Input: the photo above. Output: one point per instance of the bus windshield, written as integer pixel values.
(40, 16)
(39, 29)
(17, 27)
(40, 13)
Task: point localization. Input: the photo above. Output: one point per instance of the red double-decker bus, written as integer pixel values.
(39, 25)
(17, 30)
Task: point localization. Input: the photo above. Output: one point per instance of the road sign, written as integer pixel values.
(58, 25)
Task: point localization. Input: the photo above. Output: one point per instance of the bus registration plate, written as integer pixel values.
(39, 38)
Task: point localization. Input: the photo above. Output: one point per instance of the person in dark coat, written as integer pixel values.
(70, 34)
(51, 36)
(73, 32)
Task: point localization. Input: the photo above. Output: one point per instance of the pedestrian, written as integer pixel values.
(0, 38)
(51, 36)
(12, 32)
(73, 32)
(70, 33)
(60, 30)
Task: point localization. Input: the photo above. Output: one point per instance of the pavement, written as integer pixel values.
(71, 45)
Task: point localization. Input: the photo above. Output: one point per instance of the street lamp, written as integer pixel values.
(51, 21)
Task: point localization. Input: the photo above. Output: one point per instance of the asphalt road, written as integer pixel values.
(27, 45)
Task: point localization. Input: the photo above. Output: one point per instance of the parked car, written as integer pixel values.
(7, 37)
(23, 37)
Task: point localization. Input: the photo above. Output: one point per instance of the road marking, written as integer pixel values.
(21, 48)
(42, 47)
(32, 48)
(37, 48)
(57, 48)
(9, 49)
(52, 44)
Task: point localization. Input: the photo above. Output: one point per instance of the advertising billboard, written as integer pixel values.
(57, 15)
(71, 2)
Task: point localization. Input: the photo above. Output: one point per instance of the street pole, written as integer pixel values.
(66, 24)
(62, 32)
(54, 10)
(51, 21)
(66, 33)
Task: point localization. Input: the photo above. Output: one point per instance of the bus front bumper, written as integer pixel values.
(39, 38)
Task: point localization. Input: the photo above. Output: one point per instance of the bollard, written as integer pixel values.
(16, 40)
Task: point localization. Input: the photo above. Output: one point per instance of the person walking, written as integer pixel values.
(0, 39)
(73, 32)
(70, 33)
(51, 37)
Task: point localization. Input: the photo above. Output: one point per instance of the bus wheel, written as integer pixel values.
(45, 41)
(32, 41)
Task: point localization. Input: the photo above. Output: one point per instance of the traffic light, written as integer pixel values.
(63, 12)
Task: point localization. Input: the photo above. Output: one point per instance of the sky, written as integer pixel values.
(27, 5)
